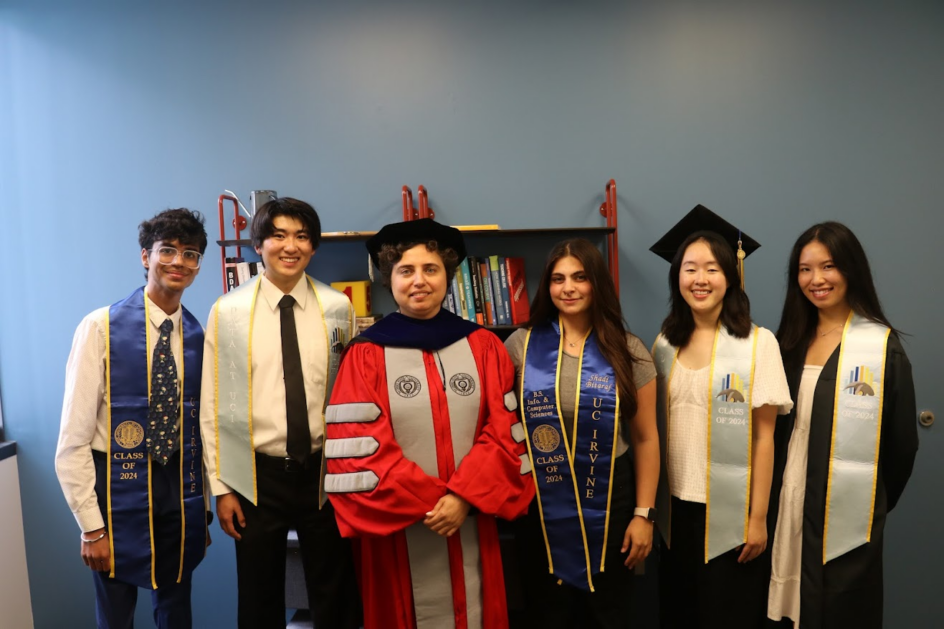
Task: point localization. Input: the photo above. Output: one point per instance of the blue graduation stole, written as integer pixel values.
(573, 474)
(128, 382)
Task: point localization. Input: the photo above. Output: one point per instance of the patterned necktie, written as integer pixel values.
(298, 442)
(162, 413)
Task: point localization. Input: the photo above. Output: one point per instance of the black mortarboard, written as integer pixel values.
(418, 231)
(702, 219)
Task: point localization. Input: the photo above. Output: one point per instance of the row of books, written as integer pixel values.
(238, 271)
(490, 291)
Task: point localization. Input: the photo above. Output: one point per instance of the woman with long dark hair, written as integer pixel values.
(847, 451)
(587, 394)
(720, 387)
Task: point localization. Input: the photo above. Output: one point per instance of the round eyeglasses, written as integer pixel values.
(189, 257)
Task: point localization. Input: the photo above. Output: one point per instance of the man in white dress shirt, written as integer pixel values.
(129, 457)
(272, 350)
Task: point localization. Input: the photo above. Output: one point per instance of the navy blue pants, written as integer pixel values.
(115, 600)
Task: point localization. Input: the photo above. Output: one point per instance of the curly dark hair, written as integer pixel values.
(735, 308)
(389, 255)
(263, 222)
(180, 224)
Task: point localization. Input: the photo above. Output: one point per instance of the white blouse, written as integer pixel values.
(783, 598)
(688, 443)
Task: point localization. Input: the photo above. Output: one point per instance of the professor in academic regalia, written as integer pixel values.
(129, 457)
(424, 448)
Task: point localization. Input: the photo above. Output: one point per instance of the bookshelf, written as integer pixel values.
(558, 232)
(531, 243)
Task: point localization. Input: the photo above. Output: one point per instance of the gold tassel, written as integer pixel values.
(741, 255)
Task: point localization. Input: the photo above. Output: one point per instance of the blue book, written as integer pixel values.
(506, 294)
(456, 295)
(497, 296)
(450, 304)
(469, 295)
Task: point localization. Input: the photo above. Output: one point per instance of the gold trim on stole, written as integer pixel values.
(216, 384)
(750, 435)
(111, 431)
(878, 437)
(750, 439)
(832, 437)
(534, 476)
(711, 379)
(147, 352)
(180, 445)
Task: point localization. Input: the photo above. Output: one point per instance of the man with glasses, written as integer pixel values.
(129, 457)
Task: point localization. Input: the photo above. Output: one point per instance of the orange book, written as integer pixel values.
(359, 294)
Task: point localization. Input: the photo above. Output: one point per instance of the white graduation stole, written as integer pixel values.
(856, 435)
(232, 374)
(729, 440)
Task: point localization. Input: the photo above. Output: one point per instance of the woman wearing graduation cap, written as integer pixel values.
(588, 398)
(424, 447)
(847, 452)
(721, 386)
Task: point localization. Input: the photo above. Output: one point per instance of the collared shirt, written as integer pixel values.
(269, 423)
(84, 423)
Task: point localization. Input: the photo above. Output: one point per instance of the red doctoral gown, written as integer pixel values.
(406, 426)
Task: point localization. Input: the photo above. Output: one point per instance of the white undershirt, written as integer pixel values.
(783, 599)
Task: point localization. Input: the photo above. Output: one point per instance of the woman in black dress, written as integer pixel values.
(827, 516)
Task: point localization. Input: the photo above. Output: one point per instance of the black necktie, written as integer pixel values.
(162, 411)
(296, 405)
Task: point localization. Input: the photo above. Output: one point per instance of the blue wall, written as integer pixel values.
(778, 115)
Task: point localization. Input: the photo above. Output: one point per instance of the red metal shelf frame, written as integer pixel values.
(607, 210)
(239, 224)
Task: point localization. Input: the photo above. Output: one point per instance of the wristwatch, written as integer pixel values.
(647, 512)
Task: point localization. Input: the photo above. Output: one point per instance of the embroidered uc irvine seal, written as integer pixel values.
(545, 438)
(407, 386)
(462, 383)
(129, 434)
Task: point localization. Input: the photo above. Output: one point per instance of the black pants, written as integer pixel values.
(115, 600)
(289, 499)
(553, 606)
(722, 594)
